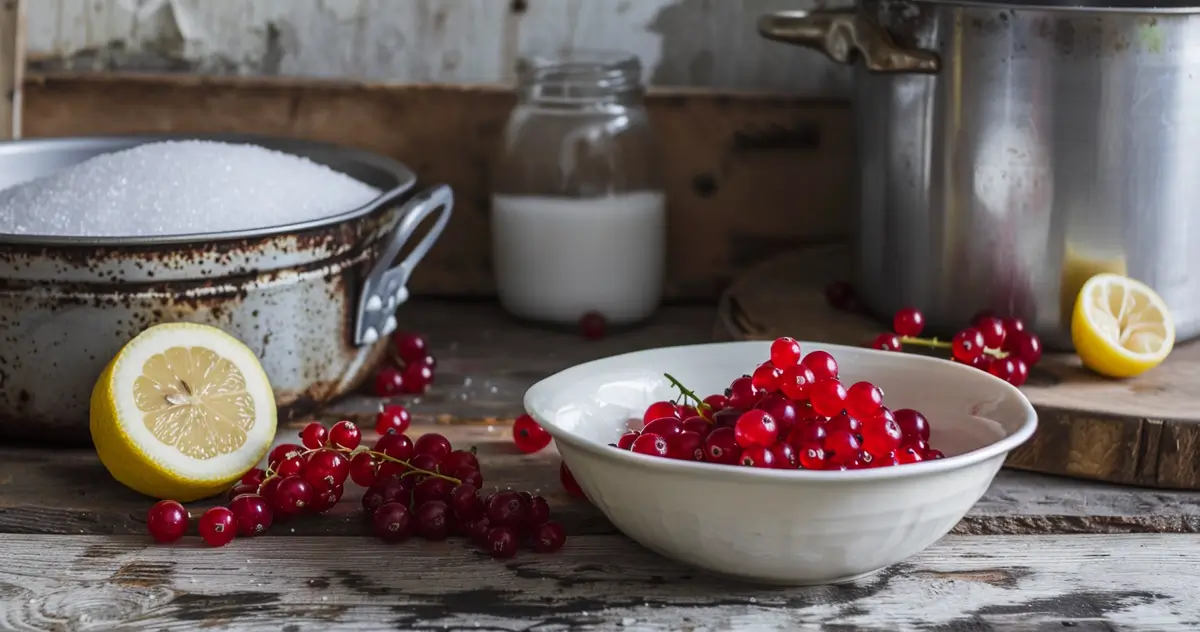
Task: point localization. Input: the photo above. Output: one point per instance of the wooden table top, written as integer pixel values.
(1037, 552)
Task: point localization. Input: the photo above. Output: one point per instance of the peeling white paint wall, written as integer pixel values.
(703, 43)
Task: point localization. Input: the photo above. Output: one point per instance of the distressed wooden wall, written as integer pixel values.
(706, 43)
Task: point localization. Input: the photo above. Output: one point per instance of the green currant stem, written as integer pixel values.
(700, 405)
(412, 471)
(934, 343)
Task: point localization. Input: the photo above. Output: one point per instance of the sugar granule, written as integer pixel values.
(179, 188)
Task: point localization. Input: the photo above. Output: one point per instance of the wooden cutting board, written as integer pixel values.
(1143, 431)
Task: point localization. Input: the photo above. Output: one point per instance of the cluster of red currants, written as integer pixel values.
(1000, 346)
(409, 368)
(424, 488)
(792, 412)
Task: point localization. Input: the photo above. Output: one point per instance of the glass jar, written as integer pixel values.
(578, 210)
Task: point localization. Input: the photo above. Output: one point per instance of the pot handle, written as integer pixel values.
(844, 36)
(386, 287)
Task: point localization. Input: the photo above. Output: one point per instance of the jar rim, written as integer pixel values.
(597, 67)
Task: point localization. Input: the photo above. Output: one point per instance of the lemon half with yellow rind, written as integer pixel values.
(182, 412)
(1121, 327)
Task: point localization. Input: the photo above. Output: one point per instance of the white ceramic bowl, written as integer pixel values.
(781, 526)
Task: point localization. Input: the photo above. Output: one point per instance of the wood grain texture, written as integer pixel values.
(735, 166)
(595, 582)
(12, 66)
(680, 42)
(1141, 431)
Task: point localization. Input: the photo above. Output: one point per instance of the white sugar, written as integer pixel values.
(179, 188)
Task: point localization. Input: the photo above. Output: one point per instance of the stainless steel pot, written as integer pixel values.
(1008, 151)
(315, 301)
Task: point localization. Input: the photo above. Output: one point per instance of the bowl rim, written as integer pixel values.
(922, 468)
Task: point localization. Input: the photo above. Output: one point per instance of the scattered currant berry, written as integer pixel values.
(391, 418)
(593, 325)
(528, 436)
(720, 446)
(908, 322)
(568, 482)
(967, 345)
(217, 526)
(658, 410)
(538, 511)
(252, 514)
(864, 400)
(501, 542)
(417, 379)
(410, 347)
(549, 537)
(345, 435)
(433, 520)
(389, 382)
(313, 435)
(827, 396)
(886, 342)
(167, 521)
(392, 522)
(785, 353)
(754, 428)
(822, 365)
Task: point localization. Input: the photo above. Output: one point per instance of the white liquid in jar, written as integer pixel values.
(559, 258)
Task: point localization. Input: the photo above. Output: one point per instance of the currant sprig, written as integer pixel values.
(687, 394)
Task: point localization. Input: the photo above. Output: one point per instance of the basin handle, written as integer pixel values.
(845, 36)
(386, 286)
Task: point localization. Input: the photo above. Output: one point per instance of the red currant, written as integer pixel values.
(686, 446)
(423, 462)
(880, 436)
(715, 403)
(528, 436)
(392, 418)
(1024, 345)
(417, 379)
(828, 397)
(913, 425)
(434, 445)
(1006, 369)
(389, 382)
(549, 537)
(501, 542)
(688, 411)
(538, 511)
(292, 496)
(167, 521)
(664, 427)
(432, 488)
(392, 522)
(993, 331)
(506, 509)
(325, 497)
(217, 526)
(842, 447)
(326, 467)
(727, 417)
(464, 501)
(907, 455)
(766, 377)
(933, 455)
(811, 456)
(410, 347)
(785, 456)
(254, 477)
(283, 452)
(720, 446)
(593, 325)
(822, 365)
(744, 394)
(362, 469)
(886, 342)
(1013, 325)
(967, 345)
(627, 439)
(384, 491)
(758, 456)
(864, 400)
(794, 382)
(782, 410)
(433, 520)
(291, 467)
(755, 428)
(658, 410)
(313, 435)
(242, 488)
(345, 435)
(651, 444)
(268, 488)
(981, 361)
(469, 476)
(1020, 372)
(807, 432)
(252, 513)
(698, 425)
(459, 459)
(785, 353)
(568, 482)
(397, 446)
(908, 322)
(843, 422)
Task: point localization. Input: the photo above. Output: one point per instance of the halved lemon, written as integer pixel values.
(1121, 327)
(182, 412)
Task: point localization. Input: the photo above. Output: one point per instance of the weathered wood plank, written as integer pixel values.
(12, 66)
(680, 42)
(600, 582)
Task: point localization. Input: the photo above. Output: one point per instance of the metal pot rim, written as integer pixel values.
(405, 179)
(1161, 7)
